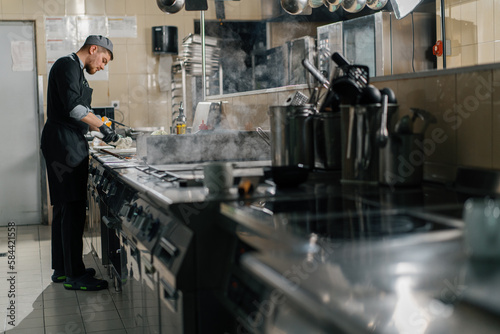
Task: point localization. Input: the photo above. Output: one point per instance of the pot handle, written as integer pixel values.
(263, 135)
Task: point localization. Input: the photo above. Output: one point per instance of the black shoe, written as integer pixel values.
(59, 277)
(86, 283)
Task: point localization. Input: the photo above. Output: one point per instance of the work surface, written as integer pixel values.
(371, 259)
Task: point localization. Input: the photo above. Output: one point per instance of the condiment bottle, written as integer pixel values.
(181, 122)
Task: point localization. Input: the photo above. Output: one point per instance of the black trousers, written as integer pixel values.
(68, 224)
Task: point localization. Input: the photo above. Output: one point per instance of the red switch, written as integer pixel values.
(437, 49)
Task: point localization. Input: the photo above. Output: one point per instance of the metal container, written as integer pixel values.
(402, 160)
(360, 152)
(291, 139)
(327, 141)
(379, 41)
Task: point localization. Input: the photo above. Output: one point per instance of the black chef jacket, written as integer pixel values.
(63, 142)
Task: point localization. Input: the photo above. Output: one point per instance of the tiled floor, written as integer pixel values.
(43, 307)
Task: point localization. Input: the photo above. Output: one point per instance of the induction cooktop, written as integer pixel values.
(334, 217)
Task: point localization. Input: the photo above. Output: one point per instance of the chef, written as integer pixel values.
(65, 149)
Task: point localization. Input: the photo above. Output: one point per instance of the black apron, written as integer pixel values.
(66, 151)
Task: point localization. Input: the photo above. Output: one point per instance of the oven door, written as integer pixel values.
(171, 308)
(150, 296)
(94, 219)
(110, 243)
(132, 313)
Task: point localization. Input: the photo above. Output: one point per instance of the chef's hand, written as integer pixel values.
(109, 134)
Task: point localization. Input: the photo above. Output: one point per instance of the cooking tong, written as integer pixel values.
(116, 122)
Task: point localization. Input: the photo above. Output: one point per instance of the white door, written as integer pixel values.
(20, 181)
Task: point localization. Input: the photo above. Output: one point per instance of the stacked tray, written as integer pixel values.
(192, 56)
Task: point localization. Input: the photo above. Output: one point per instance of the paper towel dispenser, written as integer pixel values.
(165, 40)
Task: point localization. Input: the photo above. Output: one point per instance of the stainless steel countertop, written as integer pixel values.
(398, 283)
(167, 193)
(387, 287)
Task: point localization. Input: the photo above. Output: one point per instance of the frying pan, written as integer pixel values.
(286, 176)
(134, 132)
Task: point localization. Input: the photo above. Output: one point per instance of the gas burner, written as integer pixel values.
(191, 175)
(185, 178)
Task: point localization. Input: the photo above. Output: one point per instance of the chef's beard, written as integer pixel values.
(91, 70)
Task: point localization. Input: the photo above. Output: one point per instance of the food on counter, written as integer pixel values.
(122, 143)
(159, 133)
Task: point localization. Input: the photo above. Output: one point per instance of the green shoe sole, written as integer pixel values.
(69, 286)
(62, 278)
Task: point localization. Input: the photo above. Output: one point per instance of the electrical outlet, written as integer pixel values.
(115, 104)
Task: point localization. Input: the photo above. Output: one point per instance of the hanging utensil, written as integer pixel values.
(333, 5)
(315, 73)
(358, 160)
(383, 134)
(315, 3)
(349, 131)
(294, 7)
(264, 135)
(376, 4)
(353, 6)
(170, 6)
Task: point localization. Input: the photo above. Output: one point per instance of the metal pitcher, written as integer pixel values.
(360, 152)
(291, 136)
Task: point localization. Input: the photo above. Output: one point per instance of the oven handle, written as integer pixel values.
(168, 295)
(149, 271)
(111, 223)
(168, 247)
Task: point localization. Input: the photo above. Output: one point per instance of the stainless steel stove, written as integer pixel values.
(142, 224)
(308, 221)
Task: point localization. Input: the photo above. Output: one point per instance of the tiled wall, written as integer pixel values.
(133, 74)
(473, 27)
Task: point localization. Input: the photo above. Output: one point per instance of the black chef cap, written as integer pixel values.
(100, 41)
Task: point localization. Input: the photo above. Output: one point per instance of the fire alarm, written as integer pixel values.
(437, 49)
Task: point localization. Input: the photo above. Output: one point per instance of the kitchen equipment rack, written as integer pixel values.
(179, 91)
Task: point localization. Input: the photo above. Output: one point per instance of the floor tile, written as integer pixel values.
(58, 321)
(29, 285)
(69, 327)
(45, 307)
(29, 313)
(31, 291)
(61, 294)
(105, 315)
(27, 331)
(61, 311)
(103, 325)
(115, 331)
(61, 302)
(30, 323)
